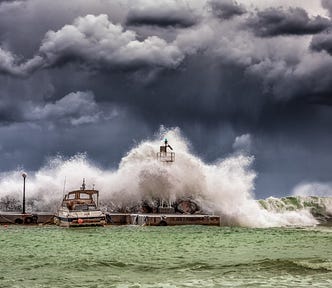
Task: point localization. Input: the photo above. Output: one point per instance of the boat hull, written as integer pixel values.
(79, 221)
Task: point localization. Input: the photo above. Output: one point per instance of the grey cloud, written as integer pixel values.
(28, 144)
(7, 62)
(243, 143)
(164, 15)
(11, 64)
(220, 81)
(226, 9)
(23, 24)
(75, 108)
(308, 80)
(294, 21)
(98, 43)
(10, 1)
(327, 4)
(322, 42)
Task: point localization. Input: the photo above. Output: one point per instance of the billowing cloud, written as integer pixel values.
(243, 143)
(76, 108)
(96, 41)
(226, 9)
(11, 64)
(294, 21)
(322, 42)
(7, 62)
(216, 69)
(327, 4)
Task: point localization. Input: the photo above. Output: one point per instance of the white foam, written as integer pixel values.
(225, 188)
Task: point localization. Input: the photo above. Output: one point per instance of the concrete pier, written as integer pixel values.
(174, 219)
(118, 219)
(27, 218)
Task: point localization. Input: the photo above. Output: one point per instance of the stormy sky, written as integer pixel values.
(99, 76)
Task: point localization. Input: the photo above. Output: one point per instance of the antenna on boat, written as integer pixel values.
(64, 187)
(83, 184)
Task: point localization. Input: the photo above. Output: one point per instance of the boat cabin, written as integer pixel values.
(81, 200)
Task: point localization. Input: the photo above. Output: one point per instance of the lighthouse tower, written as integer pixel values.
(164, 155)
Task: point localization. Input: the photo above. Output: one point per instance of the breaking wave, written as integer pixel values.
(225, 188)
(319, 207)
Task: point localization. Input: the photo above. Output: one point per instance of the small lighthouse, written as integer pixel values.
(164, 155)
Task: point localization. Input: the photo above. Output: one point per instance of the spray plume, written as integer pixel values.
(224, 188)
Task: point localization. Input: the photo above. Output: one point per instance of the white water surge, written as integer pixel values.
(225, 188)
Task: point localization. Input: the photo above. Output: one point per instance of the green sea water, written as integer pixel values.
(187, 256)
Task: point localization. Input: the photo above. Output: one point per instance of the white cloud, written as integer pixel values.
(98, 42)
(8, 62)
(243, 143)
(11, 64)
(76, 108)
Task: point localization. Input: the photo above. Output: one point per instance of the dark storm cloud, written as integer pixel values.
(8, 114)
(96, 42)
(23, 24)
(327, 4)
(11, 64)
(322, 42)
(75, 109)
(166, 17)
(226, 9)
(294, 21)
(92, 76)
(6, 1)
(7, 60)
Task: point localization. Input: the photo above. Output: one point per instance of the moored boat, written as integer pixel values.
(80, 208)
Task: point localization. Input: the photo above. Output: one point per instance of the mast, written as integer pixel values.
(83, 185)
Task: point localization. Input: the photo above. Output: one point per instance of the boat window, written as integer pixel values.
(84, 196)
(71, 196)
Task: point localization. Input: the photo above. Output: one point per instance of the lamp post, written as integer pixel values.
(24, 175)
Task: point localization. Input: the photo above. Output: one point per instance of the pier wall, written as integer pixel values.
(33, 218)
(119, 219)
(174, 219)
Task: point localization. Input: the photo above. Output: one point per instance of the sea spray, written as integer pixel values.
(320, 207)
(225, 188)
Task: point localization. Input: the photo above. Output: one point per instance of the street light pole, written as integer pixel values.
(24, 175)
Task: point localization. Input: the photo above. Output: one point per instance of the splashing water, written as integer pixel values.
(320, 207)
(224, 188)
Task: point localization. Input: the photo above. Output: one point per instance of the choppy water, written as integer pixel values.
(190, 256)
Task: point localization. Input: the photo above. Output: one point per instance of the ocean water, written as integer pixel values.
(181, 256)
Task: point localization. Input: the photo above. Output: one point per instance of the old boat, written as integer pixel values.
(80, 208)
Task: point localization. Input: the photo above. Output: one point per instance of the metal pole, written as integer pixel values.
(24, 175)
